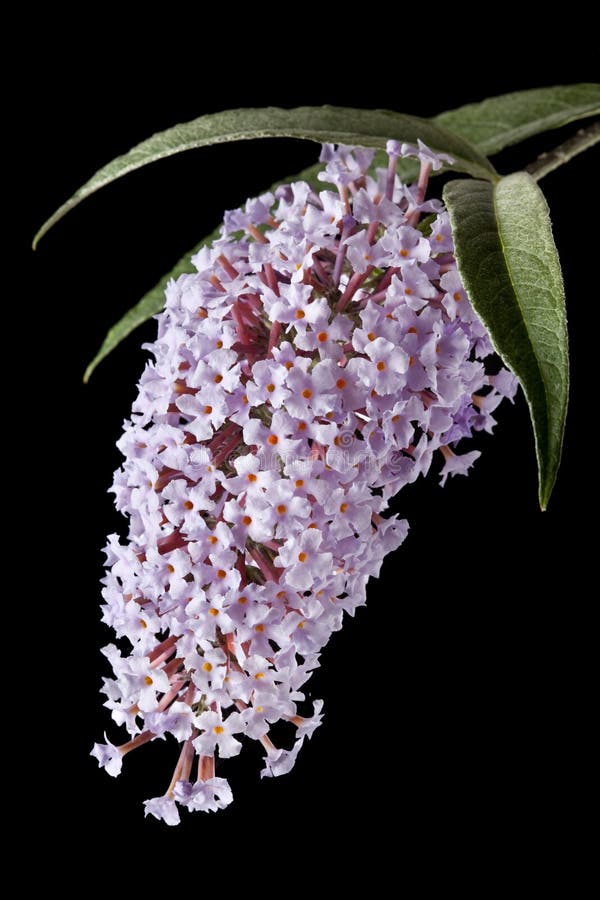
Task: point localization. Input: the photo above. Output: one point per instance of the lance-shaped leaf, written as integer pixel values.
(502, 121)
(359, 127)
(510, 268)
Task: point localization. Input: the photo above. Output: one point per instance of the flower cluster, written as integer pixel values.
(321, 355)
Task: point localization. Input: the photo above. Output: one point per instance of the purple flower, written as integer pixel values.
(207, 796)
(425, 155)
(109, 757)
(163, 808)
(457, 465)
(320, 357)
(280, 762)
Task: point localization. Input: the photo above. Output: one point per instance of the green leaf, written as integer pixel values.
(510, 268)
(358, 127)
(502, 121)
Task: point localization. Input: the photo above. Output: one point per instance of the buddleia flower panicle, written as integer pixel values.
(324, 351)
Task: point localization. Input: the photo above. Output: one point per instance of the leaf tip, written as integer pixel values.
(40, 233)
(45, 228)
(545, 492)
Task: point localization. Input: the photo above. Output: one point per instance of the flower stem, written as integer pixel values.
(548, 162)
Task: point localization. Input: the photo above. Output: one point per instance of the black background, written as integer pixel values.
(456, 703)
